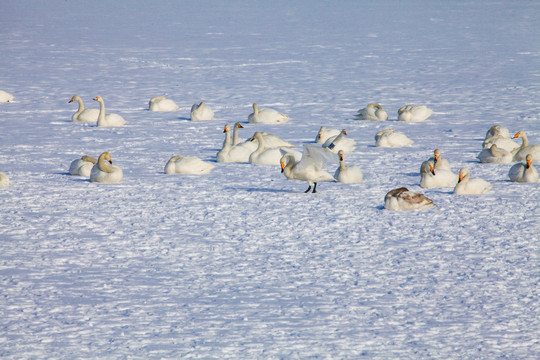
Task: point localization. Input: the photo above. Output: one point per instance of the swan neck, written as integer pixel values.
(101, 117)
(104, 165)
(235, 140)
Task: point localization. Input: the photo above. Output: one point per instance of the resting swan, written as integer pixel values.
(5, 96)
(325, 133)
(436, 178)
(495, 155)
(438, 162)
(392, 138)
(82, 166)
(347, 174)
(160, 103)
(238, 153)
(526, 149)
(201, 112)
(310, 168)
(468, 186)
(523, 172)
(414, 113)
(104, 172)
(339, 142)
(82, 114)
(4, 180)
(264, 155)
(266, 116)
(498, 130)
(108, 119)
(187, 165)
(373, 112)
(403, 199)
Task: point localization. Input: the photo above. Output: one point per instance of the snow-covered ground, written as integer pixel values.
(241, 263)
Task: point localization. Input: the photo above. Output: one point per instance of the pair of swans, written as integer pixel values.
(468, 186)
(373, 112)
(104, 171)
(500, 136)
(82, 114)
(403, 199)
(94, 115)
(412, 113)
(5, 96)
(266, 116)
(161, 103)
(340, 142)
(347, 174)
(201, 112)
(391, 138)
(4, 180)
(188, 165)
(523, 172)
(325, 133)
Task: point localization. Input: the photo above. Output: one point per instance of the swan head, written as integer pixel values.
(404, 108)
(340, 154)
(97, 98)
(463, 172)
(436, 155)
(106, 156)
(238, 125)
(528, 160)
(344, 131)
(374, 105)
(431, 168)
(519, 134)
(74, 98)
(226, 129)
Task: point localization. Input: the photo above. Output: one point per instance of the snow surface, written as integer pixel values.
(241, 263)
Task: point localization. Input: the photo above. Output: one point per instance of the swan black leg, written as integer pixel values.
(309, 188)
(314, 187)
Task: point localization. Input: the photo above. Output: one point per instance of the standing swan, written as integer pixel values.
(104, 172)
(160, 103)
(4, 180)
(82, 114)
(201, 112)
(414, 113)
(347, 174)
(373, 112)
(82, 166)
(5, 96)
(108, 119)
(336, 143)
(468, 186)
(526, 149)
(523, 172)
(266, 116)
(403, 199)
(309, 168)
(187, 165)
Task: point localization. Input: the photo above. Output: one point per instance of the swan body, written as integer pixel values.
(325, 133)
(438, 162)
(4, 180)
(310, 168)
(201, 112)
(82, 114)
(436, 178)
(238, 153)
(468, 186)
(340, 142)
(403, 199)
(501, 142)
(187, 165)
(108, 119)
(160, 103)
(266, 116)
(264, 155)
(104, 171)
(526, 149)
(392, 138)
(373, 112)
(523, 172)
(498, 130)
(495, 155)
(414, 113)
(82, 166)
(5, 96)
(347, 174)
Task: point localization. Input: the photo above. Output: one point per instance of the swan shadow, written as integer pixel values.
(184, 118)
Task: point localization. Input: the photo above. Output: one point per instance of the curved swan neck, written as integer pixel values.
(101, 117)
(260, 139)
(227, 143)
(102, 162)
(91, 159)
(236, 139)
(255, 109)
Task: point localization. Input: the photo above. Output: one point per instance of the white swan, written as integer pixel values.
(160, 103)
(201, 112)
(187, 165)
(4, 180)
(238, 153)
(264, 155)
(468, 186)
(5, 96)
(266, 116)
(403, 199)
(82, 114)
(498, 130)
(523, 172)
(347, 174)
(310, 168)
(106, 173)
(108, 119)
(392, 138)
(373, 112)
(340, 142)
(436, 178)
(501, 142)
(526, 149)
(414, 113)
(325, 133)
(82, 166)
(495, 155)
(438, 162)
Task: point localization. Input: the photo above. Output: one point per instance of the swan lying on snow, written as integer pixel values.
(373, 112)
(324, 134)
(414, 113)
(265, 155)
(468, 186)
(82, 114)
(82, 166)
(523, 172)
(4, 180)
(495, 155)
(347, 174)
(160, 103)
(5, 96)
(238, 153)
(187, 165)
(108, 119)
(436, 178)
(526, 149)
(392, 138)
(403, 199)
(104, 172)
(201, 112)
(438, 162)
(498, 130)
(339, 142)
(266, 116)
(499, 136)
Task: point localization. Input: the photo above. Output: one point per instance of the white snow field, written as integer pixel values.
(241, 263)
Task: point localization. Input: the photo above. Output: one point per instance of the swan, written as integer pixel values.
(436, 178)
(310, 168)
(495, 155)
(108, 119)
(347, 174)
(201, 112)
(373, 111)
(468, 186)
(325, 133)
(414, 113)
(82, 166)
(498, 130)
(160, 103)
(105, 173)
(82, 114)
(264, 155)
(392, 138)
(523, 172)
(501, 142)
(5, 96)
(526, 149)
(403, 199)
(238, 153)
(267, 116)
(236, 139)
(339, 142)
(187, 165)
(4, 180)
(438, 162)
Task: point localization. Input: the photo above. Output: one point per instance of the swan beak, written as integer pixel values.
(96, 98)
(460, 177)
(319, 136)
(240, 126)
(528, 164)
(226, 129)
(432, 169)
(515, 136)
(71, 100)
(341, 157)
(282, 167)
(345, 132)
